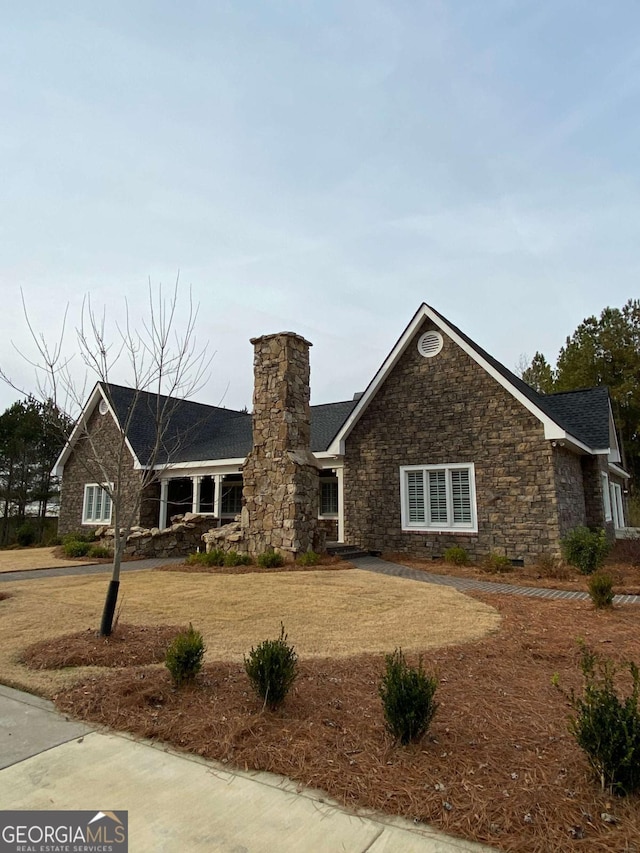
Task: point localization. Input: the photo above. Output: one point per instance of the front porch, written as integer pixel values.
(219, 497)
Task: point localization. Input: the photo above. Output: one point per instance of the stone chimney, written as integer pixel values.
(280, 474)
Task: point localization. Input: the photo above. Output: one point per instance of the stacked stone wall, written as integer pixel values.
(280, 475)
(442, 410)
(569, 489)
(182, 537)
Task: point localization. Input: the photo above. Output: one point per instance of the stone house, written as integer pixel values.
(445, 446)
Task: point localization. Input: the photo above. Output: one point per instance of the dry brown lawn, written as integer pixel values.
(24, 559)
(326, 614)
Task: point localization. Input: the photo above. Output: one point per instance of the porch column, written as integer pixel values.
(195, 492)
(164, 494)
(217, 496)
(340, 476)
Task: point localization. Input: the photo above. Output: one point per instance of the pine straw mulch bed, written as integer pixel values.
(328, 564)
(128, 645)
(498, 764)
(626, 576)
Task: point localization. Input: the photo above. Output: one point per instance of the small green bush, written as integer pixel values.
(272, 669)
(309, 558)
(270, 560)
(76, 548)
(407, 695)
(606, 726)
(207, 558)
(585, 549)
(456, 555)
(100, 552)
(79, 536)
(184, 656)
(498, 563)
(601, 589)
(232, 558)
(25, 535)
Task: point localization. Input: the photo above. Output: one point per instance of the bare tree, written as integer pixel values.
(165, 366)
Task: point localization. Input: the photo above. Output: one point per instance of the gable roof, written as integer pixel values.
(196, 432)
(578, 417)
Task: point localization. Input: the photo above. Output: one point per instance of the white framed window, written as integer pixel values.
(616, 505)
(606, 497)
(96, 508)
(439, 498)
(329, 497)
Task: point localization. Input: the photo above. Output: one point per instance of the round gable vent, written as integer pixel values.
(430, 344)
(103, 408)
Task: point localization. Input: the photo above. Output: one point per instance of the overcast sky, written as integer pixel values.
(322, 167)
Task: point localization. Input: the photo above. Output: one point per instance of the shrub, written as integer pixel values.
(309, 558)
(100, 552)
(232, 558)
(270, 560)
(456, 555)
(498, 563)
(207, 558)
(79, 536)
(407, 695)
(184, 656)
(585, 549)
(272, 669)
(549, 566)
(601, 589)
(606, 726)
(76, 548)
(25, 535)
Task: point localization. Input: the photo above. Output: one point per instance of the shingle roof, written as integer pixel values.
(584, 414)
(197, 432)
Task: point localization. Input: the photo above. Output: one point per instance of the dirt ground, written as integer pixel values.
(625, 573)
(497, 766)
(328, 613)
(24, 559)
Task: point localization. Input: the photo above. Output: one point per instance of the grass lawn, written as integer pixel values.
(326, 614)
(498, 764)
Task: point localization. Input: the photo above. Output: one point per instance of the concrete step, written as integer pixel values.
(346, 551)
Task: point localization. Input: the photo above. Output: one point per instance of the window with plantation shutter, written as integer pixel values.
(96, 508)
(438, 498)
(415, 490)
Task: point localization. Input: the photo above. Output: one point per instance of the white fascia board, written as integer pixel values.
(552, 430)
(575, 444)
(618, 471)
(96, 396)
(204, 463)
(75, 432)
(614, 452)
(329, 460)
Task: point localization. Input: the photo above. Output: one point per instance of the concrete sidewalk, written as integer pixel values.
(178, 802)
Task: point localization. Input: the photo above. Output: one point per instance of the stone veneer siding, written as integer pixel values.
(443, 410)
(569, 490)
(81, 469)
(280, 475)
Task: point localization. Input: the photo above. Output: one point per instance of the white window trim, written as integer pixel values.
(606, 497)
(617, 505)
(426, 527)
(103, 518)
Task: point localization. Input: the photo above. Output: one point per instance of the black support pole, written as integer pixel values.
(109, 609)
